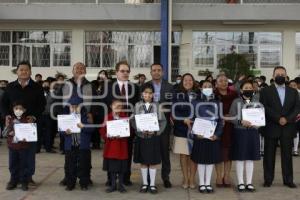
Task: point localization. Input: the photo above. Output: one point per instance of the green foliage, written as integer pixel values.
(234, 64)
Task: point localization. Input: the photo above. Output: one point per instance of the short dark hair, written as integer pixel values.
(279, 67)
(24, 63)
(38, 75)
(297, 79)
(263, 78)
(124, 62)
(156, 64)
(147, 86)
(18, 103)
(246, 82)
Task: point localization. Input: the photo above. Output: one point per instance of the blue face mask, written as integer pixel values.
(207, 91)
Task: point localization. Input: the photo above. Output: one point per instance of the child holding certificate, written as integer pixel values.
(77, 146)
(245, 138)
(147, 144)
(115, 152)
(207, 150)
(18, 150)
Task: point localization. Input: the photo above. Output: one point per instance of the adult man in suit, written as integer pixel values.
(129, 93)
(163, 95)
(281, 107)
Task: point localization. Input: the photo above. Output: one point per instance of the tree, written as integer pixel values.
(234, 64)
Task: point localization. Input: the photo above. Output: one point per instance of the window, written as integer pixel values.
(41, 48)
(262, 49)
(106, 48)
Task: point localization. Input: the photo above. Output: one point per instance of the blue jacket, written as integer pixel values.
(205, 110)
(85, 134)
(182, 109)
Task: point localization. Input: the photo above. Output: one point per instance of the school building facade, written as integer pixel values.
(54, 34)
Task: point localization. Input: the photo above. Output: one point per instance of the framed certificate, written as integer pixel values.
(203, 127)
(65, 122)
(118, 128)
(25, 131)
(256, 116)
(147, 122)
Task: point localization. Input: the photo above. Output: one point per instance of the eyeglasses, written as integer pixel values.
(124, 71)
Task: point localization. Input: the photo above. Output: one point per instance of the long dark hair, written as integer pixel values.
(181, 88)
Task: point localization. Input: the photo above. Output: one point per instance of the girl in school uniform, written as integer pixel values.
(115, 151)
(245, 138)
(147, 144)
(207, 151)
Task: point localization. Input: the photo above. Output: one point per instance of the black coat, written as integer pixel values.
(31, 95)
(269, 97)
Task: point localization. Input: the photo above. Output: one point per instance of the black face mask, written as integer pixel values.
(248, 93)
(279, 80)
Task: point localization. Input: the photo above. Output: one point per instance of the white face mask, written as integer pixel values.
(18, 112)
(178, 81)
(207, 91)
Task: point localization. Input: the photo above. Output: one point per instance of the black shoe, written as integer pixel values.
(241, 188)
(111, 189)
(84, 188)
(63, 182)
(153, 189)
(62, 152)
(250, 188)
(167, 184)
(144, 189)
(122, 189)
(24, 186)
(11, 185)
(295, 153)
(31, 182)
(202, 189)
(108, 184)
(128, 183)
(290, 185)
(267, 184)
(70, 187)
(51, 151)
(209, 189)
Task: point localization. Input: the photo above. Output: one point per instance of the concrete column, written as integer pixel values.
(289, 52)
(77, 54)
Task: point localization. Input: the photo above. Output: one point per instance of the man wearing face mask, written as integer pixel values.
(281, 107)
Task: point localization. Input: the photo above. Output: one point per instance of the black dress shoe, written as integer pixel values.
(108, 184)
(122, 189)
(266, 184)
(290, 185)
(51, 151)
(128, 183)
(70, 187)
(111, 189)
(144, 189)
(11, 185)
(63, 182)
(24, 186)
(167, 184)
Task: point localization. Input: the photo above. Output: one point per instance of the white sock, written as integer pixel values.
(144, 175)
(201, 172)
(296, 142)
(262, 143)
(249, 171)
(208, 173)
(152, 173)
(240, 171)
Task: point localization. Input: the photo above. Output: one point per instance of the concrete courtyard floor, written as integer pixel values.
(49, 171)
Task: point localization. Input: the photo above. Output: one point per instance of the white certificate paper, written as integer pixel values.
(256, 116)
(65, 122)
(118, 128)
(25, 131)
(147, 122)
(203, 127)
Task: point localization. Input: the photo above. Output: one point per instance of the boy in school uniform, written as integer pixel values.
(77, 146)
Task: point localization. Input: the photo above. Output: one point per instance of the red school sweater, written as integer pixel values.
(114, 148)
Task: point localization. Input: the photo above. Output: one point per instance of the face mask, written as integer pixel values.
(279, 80)
(178, 81)
(18, 113)
(248, 93)
(207, 91)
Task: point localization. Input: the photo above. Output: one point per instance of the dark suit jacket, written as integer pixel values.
(269, 97)
(112, 91)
